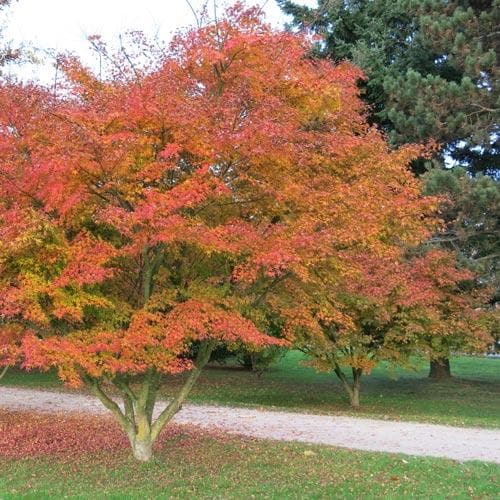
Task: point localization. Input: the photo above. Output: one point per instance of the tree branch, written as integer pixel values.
(340, 374)
(198, 23)
(202, 358)
(109, 404)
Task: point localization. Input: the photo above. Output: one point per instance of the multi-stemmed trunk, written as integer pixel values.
(136, 418)
(353, 388)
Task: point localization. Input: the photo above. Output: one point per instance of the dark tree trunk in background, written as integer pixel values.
(356, 387)
(248, 362)
(440, 369)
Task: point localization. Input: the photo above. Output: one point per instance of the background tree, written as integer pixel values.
(452, 315)
(471, 213)
(388, 309)
(254, 361)
(161, 210)
(7, 52)
(431, 68)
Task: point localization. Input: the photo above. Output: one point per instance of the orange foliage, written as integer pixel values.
(387, 308)
(174, 201)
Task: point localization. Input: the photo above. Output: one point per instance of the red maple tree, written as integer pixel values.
(387, 309)
(150, 215)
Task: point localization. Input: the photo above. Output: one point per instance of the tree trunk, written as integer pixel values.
(355, 398)
(136, 417)
(140, 437)
(356, 386)
(248, 362)
(440, 369)
(142, 450)
(352, 391)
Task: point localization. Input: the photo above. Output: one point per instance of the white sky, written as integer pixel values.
(64, 25)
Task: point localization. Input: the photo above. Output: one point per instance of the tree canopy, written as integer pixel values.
(471, 215)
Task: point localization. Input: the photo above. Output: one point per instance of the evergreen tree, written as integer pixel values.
(471, 216)
(431, 68)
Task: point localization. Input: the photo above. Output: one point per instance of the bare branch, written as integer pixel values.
(197, 19)
(109, 403)
(202, 358)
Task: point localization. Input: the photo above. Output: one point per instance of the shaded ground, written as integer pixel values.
(471, 398)
(349, 432)
(197, 464)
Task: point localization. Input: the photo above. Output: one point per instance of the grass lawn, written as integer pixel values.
(471, 398)
(192, 464)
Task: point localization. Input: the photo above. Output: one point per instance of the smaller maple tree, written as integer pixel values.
(387, 309)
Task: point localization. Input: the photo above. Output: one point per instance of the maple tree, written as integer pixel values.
(387, 309)
(153, 214)
(451, 317)
(8, 337)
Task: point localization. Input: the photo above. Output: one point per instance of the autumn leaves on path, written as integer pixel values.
(356, 433)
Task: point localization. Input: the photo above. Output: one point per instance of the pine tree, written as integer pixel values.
(471, 214)
(431, 68)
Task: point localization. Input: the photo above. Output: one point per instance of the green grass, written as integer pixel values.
(471, 398)
(210, 467)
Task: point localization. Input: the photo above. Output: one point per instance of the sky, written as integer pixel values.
(63, 25)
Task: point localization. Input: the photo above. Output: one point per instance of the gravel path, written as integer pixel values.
(357, 433)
